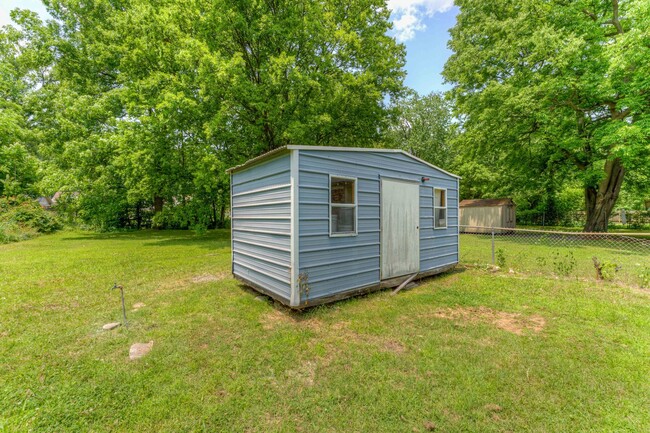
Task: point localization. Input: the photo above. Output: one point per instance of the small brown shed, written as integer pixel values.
(498, 212)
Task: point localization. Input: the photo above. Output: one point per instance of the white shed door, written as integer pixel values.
(400, 221)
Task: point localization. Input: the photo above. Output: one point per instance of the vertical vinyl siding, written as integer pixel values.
(336, 264)
(261, 225)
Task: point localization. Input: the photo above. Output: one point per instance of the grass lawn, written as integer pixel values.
(466, 351)
(565, 256)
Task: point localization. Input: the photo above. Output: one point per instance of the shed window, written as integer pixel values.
(343, 206)
(440, 208)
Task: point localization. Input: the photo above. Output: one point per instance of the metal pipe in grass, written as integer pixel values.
(493, 262)
(117, 286)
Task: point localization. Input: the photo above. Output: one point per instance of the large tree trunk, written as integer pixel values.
(214, 224)
(600, 200)
(158, 203)
(138, 215)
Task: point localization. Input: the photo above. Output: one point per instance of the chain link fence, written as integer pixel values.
(624, 257)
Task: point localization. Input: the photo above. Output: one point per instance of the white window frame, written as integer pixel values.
(445, 207)
(349, 205)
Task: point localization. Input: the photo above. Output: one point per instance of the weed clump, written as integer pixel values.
(564, 264)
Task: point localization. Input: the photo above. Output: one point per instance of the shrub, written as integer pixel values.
(605, 270)
(22, 218)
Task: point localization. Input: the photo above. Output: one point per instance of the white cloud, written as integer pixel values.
(408, 15)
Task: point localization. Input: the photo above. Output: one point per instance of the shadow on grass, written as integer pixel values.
(307, 312)
(156, 238)
(210, 243)
(290, 313)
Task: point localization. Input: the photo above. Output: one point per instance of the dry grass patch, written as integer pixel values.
(283, 316)
(207, 278)
(185, 282)
(305, 374)
(512, 322)
(331, 334)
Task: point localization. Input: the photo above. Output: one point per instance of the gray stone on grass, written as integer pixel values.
(261, 298)
(138, 305)
(138, 350)
(110, 326)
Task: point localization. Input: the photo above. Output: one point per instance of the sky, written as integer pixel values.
(421, 25)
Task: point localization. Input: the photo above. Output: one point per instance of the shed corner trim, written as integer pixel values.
(295, 228)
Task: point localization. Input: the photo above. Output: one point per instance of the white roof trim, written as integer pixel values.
(251, 162)
(257, 159)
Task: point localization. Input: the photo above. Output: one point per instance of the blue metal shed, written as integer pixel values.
(315, 224)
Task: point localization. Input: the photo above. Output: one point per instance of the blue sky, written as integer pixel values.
(421, 25)
(427, 52)
(7, 5)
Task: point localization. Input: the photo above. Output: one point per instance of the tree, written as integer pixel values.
(306, 72)
(556, 87)
(423, 126)
(149, 101)
(18, 142)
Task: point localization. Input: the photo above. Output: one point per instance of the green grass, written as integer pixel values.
(567, 257)
(466, 351)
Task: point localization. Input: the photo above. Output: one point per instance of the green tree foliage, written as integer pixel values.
(18, 165)
(424, 127)
(148, 102)
(553, 91)
(18, 170)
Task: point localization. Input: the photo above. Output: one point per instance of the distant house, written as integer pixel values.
(45, 202)
(488, 213)
(48, 202)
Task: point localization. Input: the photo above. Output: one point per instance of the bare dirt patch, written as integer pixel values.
(429, 426)
(492, 407)
(512, 322)
(394, 346)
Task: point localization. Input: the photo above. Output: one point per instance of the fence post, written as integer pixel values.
(493, 246)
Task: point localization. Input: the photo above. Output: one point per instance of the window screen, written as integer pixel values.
(440, 209)
(343, 206)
